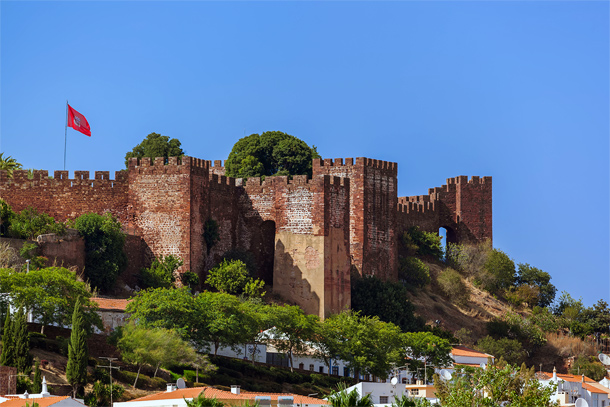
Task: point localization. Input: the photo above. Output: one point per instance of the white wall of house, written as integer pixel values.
(381, 393)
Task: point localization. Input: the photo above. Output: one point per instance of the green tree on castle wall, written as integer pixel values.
(270, 153)
(156, 145)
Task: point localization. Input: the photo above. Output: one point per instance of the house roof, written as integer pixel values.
(595, 388)
(110, 303)
(42, 402)
(190, 393)
(464, 351)
(565, 377)
(298, 399)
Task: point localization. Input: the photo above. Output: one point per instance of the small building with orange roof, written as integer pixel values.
(53, 401)
(572, 387)
(112, 312)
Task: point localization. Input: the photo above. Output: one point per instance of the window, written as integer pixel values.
(346, 371)
(301, 366)
(383, 399)
(336, 370)
(415, 392)
(321, 369)
(311, 367)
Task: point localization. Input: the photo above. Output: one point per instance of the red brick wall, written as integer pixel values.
(65, 198)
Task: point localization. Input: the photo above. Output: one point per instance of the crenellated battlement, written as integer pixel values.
(359, 162)
(417, 207)
(41, 177)
(174, 165)
(222, 180)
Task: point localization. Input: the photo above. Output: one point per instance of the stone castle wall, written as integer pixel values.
(306, 235)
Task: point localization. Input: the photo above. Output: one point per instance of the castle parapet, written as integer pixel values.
(173, 165)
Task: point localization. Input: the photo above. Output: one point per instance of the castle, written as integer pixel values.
(306, 234)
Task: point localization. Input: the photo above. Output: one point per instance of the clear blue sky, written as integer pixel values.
(515, 90)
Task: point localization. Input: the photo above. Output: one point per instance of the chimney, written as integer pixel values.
(170, 387)
(235, 389)
(45, 390)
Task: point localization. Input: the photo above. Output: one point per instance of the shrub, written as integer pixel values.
(189, 279)
(245, 256)
(232, 277)
(524, 294)
(29, 223)
(590, 367)
(456, 256)
(414, 272)
(104, 255)
(451, 284)
(510, 350)
(160, 274)
(500, 272)
(426, 243)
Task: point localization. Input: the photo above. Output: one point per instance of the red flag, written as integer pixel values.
(78, 122)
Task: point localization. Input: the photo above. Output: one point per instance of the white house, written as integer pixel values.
(571, 387)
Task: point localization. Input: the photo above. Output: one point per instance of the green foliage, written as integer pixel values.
(100, 394)
(343, 398)
(245, 256)
(532, 276)
(78, 352)
(544, 319)
(523, 294)
(589, 366)
(451, 284)
(510, 350)
(211, 234)
(514, 326)
(406, 401)
(425, 243)
(23, 360)
(368, 345)
(104, 255)
(29, 251)
(231, 277)
(494, 386)
(153, 347)
(29, 223)
(37, 382)
(598, 316)
(202, 401)
(464, 336)
(8, 342)
(9, 164)
(291, 331)
(6, 214)
(456, 256)
(414, 272)
(387, 300)
(156, 145)
(271, 153)
(189, 279)
(500, 272)
(425, 348)
(161, 272)
(51, 294)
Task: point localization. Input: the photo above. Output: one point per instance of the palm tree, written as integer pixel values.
(342, 398)
(9, 164)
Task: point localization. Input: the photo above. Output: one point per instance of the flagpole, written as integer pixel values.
(66, 134)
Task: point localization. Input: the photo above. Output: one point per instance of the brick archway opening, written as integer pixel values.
(447, 235)
(267, 251)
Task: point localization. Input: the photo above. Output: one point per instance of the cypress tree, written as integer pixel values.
(37, 384)
(8, 342)
(23, 363)
(78, 354)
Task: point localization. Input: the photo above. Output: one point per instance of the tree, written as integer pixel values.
(367, 344)
(343, 398)
(292, 330)
(589, 366)
(50, 294)
(161, 272)
(104, 255)
(78, 352)
(271, 153)
(528, 275)
(156, 145)
(8, 342)
(22, 361)
(202, 401)
(37, 382)
(30, 223)
(153, 347)
(413, 272)
(426, 244)
(387, 300)
(500, 272)
(494, 386)
(426, 349)
(231, 277)
(9, 164)
(510, 350)
(255, 319)
(598, 316)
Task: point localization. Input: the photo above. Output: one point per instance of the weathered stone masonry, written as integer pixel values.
(306, 235)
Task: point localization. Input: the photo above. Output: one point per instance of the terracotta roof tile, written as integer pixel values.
(464, 351)
(111, 303)
(192, 393)
(596, 388)
(298, 399)
(42, 402)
